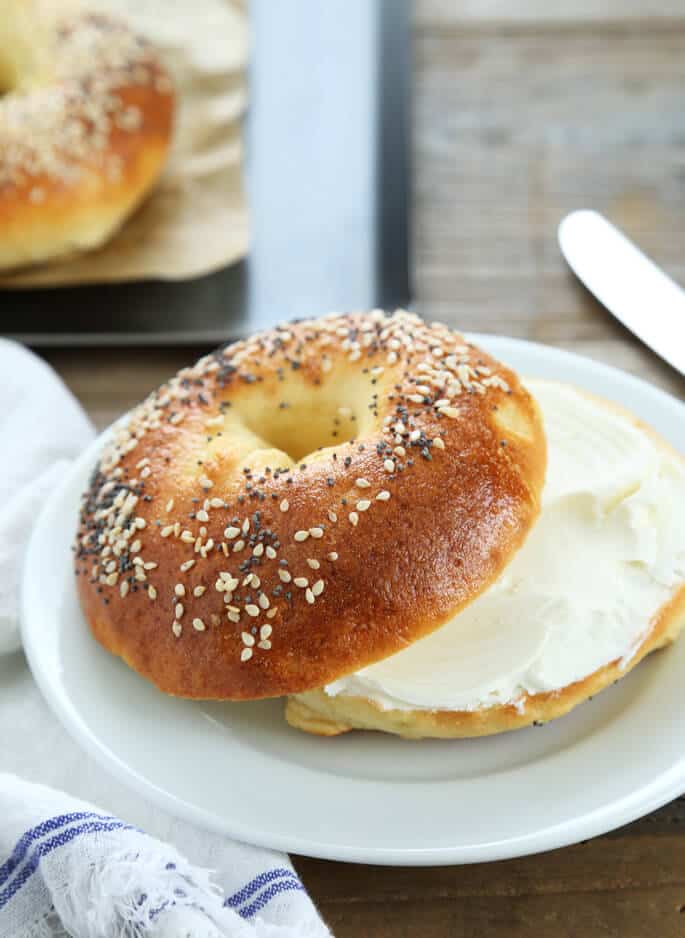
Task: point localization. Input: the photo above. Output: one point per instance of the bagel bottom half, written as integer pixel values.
(629, 470)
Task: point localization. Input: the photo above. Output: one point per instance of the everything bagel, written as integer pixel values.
(86, 112)
(306, 502)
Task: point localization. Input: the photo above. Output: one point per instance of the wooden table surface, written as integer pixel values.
(521, 114)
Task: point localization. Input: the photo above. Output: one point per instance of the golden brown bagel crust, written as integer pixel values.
(316, 712)
(78, 154)
(428, 478)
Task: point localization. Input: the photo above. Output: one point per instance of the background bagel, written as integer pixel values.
(86, 112)
(306, 502)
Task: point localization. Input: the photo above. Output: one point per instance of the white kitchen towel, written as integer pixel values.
(62, 857)
(42, 428)
(68, 868)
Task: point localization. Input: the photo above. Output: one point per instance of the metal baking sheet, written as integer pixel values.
(327, 183)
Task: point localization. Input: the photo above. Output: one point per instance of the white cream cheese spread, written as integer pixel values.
(606, 553)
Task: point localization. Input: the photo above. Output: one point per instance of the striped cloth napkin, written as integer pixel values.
(68, 868)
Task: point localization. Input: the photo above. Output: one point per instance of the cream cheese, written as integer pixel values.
(605, 554)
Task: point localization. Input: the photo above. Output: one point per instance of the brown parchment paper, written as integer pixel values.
(195, 220)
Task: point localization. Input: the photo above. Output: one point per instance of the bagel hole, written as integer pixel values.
(307, 419)
(301, 433)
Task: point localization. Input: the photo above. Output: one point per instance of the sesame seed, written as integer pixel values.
(202, 515)
(443, 402)
(389, 465)
(246, 654)
(332, 517)
(285, 504)
(238, 546)
(180, 589)
(233, 616)
(383, 495)
(246, 525)
(363, 504)
(216, 503)
(451, 412)
(252, 610)
(333, 556)
(271, 613)
(284, 576)
(247, 638)
(187, 537)
(178, 610)
(301, 581)
(231, 532)
(354, 518)
(199, 590)
(198, 625)
(264, 601)
(205, 482)
(135, 546)
(187, 565)
(270, 552)
(318, 587)
(309, 596)
(314, 564)
(414, 436)
(362, 484)
(265, 644)
(265, 631)
(258, 550)
(123, 588)
(111, 580)
(177, 628)
(301, 535)
(142, 463)
(438, 443)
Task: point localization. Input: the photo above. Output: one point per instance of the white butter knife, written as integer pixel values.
(627, 282)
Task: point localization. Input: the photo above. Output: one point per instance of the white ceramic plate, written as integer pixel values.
(239, 769)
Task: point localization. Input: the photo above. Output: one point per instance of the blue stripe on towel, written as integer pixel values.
(43, 849)
(45, 827)
(256, 884)
(284, 885)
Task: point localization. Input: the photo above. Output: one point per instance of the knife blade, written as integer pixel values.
(631, 286)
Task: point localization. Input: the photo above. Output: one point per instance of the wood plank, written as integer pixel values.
(618, 885)
(633, 914)
(512, 132)
(534, 13)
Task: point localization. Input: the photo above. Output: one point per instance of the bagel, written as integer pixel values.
(86, 114)
(598, 585)
(304, 503)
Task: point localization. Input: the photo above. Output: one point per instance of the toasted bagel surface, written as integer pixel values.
(306, 502)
